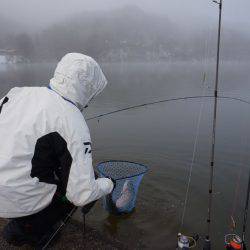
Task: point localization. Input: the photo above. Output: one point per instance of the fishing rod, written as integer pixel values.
(163, 101)
(246, 214)
(58, 229)
(207, 241)
(234, 241)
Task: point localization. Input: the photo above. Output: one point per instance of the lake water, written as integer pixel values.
(162, 137)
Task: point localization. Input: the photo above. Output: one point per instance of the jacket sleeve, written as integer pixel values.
(82, 187)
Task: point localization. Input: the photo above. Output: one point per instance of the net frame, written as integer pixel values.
(121, 161)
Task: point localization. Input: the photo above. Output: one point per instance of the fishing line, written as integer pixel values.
(235, 238)
(184, 241)
(236, 198)
(246, 212)
(237, 188)
(166, 100)
(192, 161)
(204, 81)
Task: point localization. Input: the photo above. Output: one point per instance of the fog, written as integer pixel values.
(124, 30)
(38, 13)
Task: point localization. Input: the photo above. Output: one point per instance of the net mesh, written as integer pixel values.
(127, 177)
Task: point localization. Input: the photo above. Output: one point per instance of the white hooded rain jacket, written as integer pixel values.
(44, 137)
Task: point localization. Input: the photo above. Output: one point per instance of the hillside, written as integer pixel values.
(127, 34)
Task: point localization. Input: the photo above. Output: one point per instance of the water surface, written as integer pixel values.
(162, 137)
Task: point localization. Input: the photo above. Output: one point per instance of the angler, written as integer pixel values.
(45, 158)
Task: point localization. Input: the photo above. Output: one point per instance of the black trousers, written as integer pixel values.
(42, 222)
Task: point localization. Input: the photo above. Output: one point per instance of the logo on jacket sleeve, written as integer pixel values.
(87, 147)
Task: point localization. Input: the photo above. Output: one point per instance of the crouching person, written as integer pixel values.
(45, 153)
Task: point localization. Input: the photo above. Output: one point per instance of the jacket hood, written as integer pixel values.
(78, 78)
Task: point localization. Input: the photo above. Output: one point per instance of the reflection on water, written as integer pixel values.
(162, 137)
(112, 222)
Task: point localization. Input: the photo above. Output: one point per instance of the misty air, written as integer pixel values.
(124, 124)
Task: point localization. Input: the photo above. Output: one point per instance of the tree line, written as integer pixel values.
(122, 35)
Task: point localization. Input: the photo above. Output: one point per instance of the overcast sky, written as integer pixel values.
(39, 13)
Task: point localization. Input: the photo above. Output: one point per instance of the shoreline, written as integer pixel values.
(72, 238)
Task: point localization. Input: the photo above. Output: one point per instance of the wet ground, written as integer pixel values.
(72, 238)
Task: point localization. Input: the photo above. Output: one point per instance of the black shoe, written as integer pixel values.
(15, 235)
